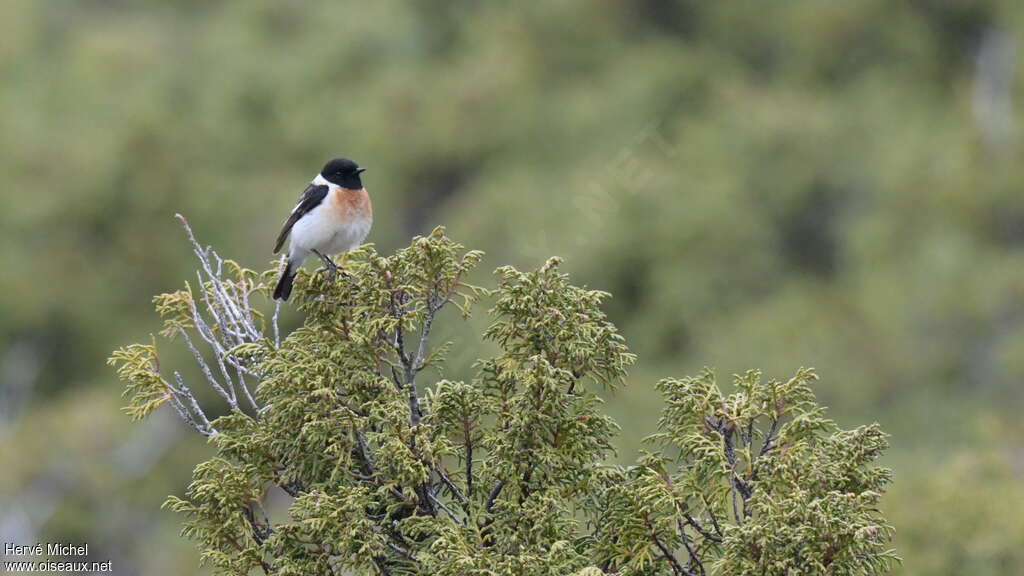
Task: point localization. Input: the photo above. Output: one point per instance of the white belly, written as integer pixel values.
(321, 231)
(348, 237)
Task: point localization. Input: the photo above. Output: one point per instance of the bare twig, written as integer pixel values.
(186, 393)
(230, 307)
(219, 354)
(206, 370)
(245, 388)
(226, 321)
(274, 321)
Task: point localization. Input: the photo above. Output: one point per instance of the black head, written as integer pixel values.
(344, 173)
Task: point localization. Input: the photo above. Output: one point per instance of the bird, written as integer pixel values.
(333, 215)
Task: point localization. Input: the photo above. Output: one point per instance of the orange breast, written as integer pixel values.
(352, 204)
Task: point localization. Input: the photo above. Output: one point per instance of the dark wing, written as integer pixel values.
(311, 198)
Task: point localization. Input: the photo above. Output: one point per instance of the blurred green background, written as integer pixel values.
(759, 185)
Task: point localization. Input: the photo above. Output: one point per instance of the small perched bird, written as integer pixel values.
(333, 215)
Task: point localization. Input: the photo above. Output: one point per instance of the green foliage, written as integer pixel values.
(383, 469)
(756, 482)
(138, 365)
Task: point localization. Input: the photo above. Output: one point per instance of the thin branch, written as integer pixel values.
(437, 501)
(217, 297)
(415, 412)
(231, 322)
(428, 322)
(694, 558)
(714, 519)
(425, 492)
(469, 470)
(697, 526)
(363, 451)
(452, 487)
(222, 356)
(409, 376)
(769, 438)
(210, 338)
(208, 335)
(206, 369)
(184, 414)
(735, 482)
(493, 495)
(208, 429)
(245, 388)
(242, 294)
(408, 555)
(235, 315)
(677, 568)
(274, 321)
(230, 307)
(395, 377)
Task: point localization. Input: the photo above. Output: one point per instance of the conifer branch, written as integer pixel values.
(340, 426)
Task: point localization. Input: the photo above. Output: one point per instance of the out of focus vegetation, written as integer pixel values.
(835, 183)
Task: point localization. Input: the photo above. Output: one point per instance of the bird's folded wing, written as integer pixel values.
(310, 199)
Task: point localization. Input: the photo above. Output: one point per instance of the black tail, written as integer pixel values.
(284, 284)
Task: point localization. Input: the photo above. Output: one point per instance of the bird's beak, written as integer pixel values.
(360, 170)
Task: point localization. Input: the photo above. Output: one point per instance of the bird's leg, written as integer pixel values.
(332, 268)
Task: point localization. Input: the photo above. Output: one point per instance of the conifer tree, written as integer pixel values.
(386, 469)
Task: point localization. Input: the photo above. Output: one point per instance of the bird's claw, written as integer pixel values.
(329, 266)
(333, 272)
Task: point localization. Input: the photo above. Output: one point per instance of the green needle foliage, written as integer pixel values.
(377, 468)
